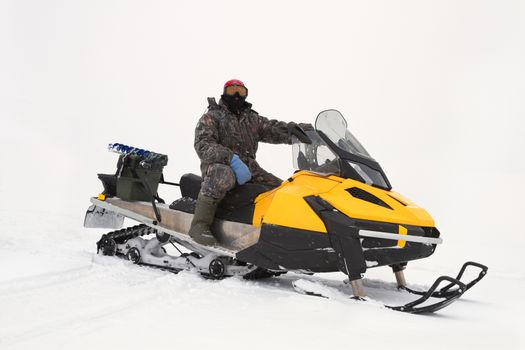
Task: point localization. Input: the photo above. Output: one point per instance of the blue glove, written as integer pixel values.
(242, 173)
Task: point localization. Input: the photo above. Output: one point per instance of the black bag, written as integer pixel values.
(138, 176)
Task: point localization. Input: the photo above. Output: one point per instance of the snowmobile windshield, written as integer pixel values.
(355, 161)
(316, 157)
(334, 126)
(335, 151)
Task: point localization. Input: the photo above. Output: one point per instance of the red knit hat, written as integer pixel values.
(233, 82)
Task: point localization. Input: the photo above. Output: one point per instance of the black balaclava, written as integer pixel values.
(235, 103)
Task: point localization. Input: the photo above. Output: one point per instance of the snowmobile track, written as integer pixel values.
(27, 285)
(74, 321)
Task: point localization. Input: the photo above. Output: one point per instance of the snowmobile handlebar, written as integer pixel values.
(297, 131)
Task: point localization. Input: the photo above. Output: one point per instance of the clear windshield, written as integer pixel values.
(333, 125)
(318, 157)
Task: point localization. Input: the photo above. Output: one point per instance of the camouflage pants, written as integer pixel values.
(220, 179)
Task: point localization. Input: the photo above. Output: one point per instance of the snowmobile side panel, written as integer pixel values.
(343, 238)
(344, 233)
(287, 248)
(286, 206)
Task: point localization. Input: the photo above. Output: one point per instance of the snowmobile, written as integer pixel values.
(337, 212)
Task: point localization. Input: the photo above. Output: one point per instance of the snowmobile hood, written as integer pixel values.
(286, 204)
(361, 201)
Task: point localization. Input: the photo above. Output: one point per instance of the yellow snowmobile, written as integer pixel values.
(337, 212)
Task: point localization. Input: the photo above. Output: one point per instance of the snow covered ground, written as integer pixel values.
(56, 293)
(433, 89)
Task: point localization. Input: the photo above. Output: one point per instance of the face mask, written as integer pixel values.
(235, 103)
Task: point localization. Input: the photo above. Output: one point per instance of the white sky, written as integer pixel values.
(433, 89)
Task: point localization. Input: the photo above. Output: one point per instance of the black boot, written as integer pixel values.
(200, 230)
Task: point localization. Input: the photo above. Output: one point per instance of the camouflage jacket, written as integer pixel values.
(220, 133)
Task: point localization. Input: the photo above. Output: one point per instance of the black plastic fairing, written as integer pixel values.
(375, 251)
(340, 249)
(343, 238)
(287, 248)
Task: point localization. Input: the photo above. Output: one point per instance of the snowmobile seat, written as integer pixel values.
(238, 205)
(190, 185)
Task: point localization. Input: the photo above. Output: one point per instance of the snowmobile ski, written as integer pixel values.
(448, 290)
(414, 307)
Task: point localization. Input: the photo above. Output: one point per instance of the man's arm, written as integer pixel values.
(273, 131)
(206, 142)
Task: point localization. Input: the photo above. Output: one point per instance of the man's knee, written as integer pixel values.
(267, 179)
(219, 179)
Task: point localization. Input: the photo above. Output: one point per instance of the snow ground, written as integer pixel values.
(56, 293)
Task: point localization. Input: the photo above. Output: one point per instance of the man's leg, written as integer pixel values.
(265, 178)
(219, 179)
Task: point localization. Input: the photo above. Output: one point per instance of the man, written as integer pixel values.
(226, 141)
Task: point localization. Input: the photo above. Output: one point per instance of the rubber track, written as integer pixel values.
(123, 235)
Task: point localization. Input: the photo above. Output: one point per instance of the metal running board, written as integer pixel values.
(181, 237)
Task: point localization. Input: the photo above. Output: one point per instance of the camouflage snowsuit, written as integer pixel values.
(220, 133)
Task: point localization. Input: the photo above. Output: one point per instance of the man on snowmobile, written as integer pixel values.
(226, 141)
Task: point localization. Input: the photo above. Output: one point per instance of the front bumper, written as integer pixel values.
(360, 244)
